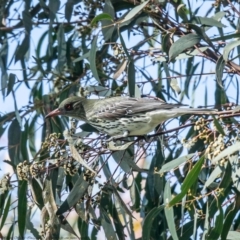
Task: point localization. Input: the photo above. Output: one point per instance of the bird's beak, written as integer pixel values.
(53, 113)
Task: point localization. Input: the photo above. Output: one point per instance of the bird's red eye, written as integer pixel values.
(68, 107)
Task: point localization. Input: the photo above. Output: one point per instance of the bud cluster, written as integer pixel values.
(118, 52)
(215, 147)
(23, 170)
(26, 169)
(70, 167)
(5, 183)
(51, 142)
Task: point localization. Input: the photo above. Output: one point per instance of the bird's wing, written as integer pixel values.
(114, 108)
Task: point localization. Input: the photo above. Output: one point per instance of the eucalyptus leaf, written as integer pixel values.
(92, 58)
(228, 48)
(132, 13)
(169, 211)
(226, 152)
(182, 44)
(175, 163)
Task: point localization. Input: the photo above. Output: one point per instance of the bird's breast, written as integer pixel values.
(135, 125)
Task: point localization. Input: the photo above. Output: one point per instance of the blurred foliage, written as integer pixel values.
(183, 183)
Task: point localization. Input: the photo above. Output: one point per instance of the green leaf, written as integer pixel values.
(107, 29)
(219, 70)
(147, 223)
(108, 8)
(214, 174)
(30, 225)
(182, 12)
(107, 25)
(22, 207)
(217, 229)
(5, 212)
(135, 192)
(166, 42)
(191, 53)
(39, 64)
(76, 193)
(125, 159)
(207, 21)
(3, 65)
(230, 216)
(175, 163)
(50, 40)
(188, 181)
(27, 21)
(69, 9)
(228, 48)
(218, 126)
(99, 91)
(226, 186)
(132, 13)
(182, 44)
(11, 82)
(22, 49)
(14, 137)
(92, 58)
(121, 67)
(202, 34)
(169, 211)
(226, 37)
(24, 141)
(124, 47)
(100, 17)
(84, 56)
(62, 48)
(107, 225)
(206, 224)
(19, 119)
(53, 7)
(233, 159)
(131, 79)
(226, 152)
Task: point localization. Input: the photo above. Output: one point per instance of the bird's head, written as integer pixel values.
(70, 107)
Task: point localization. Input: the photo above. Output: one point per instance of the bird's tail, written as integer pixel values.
(197, 111)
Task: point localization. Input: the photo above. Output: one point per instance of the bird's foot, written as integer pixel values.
(117, 137)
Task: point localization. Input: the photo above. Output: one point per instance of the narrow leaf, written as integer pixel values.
(219, 70)
(207, 21)
(218, 126)
(228, 48)
(133, 13)
(92, 58)
(147, 224)
(11, 82)
(5, 212)
(131, 79)
(226, 152)
(76, 193)
(175, 163)
(120, 69)
(107, 225)
(22, 207)
(182, 44)
(100, 17)
(169, 211)
(188, 181)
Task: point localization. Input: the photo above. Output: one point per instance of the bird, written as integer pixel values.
(123, 116)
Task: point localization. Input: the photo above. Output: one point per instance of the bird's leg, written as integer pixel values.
(125, 134)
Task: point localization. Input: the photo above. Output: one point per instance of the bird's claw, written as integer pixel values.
(117, 137)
